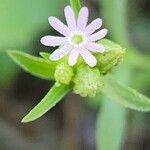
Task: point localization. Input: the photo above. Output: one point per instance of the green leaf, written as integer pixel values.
(110, 126)
(36, 66)
(50, 100)
(75, 5)
(125, 95)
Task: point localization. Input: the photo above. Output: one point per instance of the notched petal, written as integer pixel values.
(60, 52)
(88, 57)
(59, 26)
(53, 40)
(98, 35)
(93, 26)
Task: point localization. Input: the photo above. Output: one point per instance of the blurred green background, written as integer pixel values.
(70, 125)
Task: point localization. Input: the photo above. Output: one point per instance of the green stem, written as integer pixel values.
(76, 5)
(115, 19)
(110, 126)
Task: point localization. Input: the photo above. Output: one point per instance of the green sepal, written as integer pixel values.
(56, 93)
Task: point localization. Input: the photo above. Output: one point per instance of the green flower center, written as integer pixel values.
(77, 39)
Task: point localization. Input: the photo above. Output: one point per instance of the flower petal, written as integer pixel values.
(70, 18)
(94, 47)
(59, 26)
(60, 52)
(88, 57)
(53, 40)
(93, 26)
(73, 57)
(82, 18)
(99, 35)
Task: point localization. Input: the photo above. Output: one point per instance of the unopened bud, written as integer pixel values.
(63, 73)
(87, 81)
(110, 58)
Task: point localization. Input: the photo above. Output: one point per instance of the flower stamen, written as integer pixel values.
(77, 39)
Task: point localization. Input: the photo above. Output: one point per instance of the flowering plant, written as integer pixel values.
(81, 64)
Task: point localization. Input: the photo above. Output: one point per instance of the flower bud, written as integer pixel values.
(63, 73)
(87, 81)
(110, 58)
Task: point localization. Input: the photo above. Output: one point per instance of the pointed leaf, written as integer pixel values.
(35, 65)
(125, 95)
(49, 101)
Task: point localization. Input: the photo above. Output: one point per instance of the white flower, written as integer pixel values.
(79, 38)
